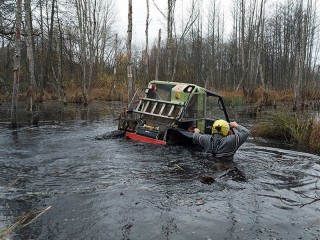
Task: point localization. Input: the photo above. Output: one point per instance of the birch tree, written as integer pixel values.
(59, 45)
(16, 70)
(49, 52)
(170, 40)
(194, 15)
(114, 75)
(156, 77)
(30, 54)
(146, 55)
(129, 52)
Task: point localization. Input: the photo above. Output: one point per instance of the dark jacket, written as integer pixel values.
(222, 147)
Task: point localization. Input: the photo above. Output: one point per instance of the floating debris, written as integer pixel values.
(23, 221)
(235, 174)
(207, 180)
(112, 135)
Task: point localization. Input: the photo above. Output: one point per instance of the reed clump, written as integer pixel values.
(297, 129)
(233, 99)
(314, 140)
(274, 124)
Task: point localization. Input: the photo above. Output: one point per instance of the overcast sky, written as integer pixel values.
(139, 10)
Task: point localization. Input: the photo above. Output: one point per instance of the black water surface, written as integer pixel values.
(122, 189)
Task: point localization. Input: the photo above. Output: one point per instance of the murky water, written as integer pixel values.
(122, 189)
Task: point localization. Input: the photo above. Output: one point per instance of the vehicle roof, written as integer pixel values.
(182, 83)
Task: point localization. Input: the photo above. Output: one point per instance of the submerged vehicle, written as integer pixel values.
(167, 113)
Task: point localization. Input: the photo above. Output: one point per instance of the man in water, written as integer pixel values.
(222, 143)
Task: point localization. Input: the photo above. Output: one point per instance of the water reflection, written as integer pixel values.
(116, 188)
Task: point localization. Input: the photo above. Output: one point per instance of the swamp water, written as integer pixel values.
(122, 189)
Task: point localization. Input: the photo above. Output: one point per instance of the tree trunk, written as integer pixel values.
(186, 28)
(158, 56)
(16, 70)
(129, 66)
(59, 52)
(49, 52)
(260, 58)
(300, 59)
(82, 15)
(170, 43)
(146, 55)
(42, 53)
(30, 55)
(114, 76)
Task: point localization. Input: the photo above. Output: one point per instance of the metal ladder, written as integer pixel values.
(158, 108)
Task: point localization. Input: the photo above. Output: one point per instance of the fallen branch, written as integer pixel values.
(179, 167)
(23, 221)
(302, 195)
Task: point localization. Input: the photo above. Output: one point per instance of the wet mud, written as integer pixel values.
(102, 186)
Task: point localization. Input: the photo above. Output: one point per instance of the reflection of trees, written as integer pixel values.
(308, 199)
(169, 226)
(126, 230)
(232, 217)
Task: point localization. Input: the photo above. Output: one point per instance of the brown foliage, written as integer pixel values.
(274, 96)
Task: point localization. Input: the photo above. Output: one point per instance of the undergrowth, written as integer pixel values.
(297, 129)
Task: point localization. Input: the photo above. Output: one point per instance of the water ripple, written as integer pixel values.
(123, 189)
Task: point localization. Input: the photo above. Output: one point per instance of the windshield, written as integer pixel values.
(214, 109)
(195, 107)
(204, 106)
(160, 92)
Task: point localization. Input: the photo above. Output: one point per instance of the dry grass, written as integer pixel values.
(22, 221)
(100, 91)
(233, 99)
(274, 125)
(314, 140)
(280, 96)
(301, 130)
(297, 129)
(236, 98)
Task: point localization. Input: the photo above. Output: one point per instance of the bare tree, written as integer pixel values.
(30, 54)
(278, 50)
(191, 20)
(49, 52)
(158, 56)
(91, 22)
(114, 76)
(59, 45)
(170, 40)
(260, 51)
(129, 53)
(16, 70)
(146, 55)
(82, 11)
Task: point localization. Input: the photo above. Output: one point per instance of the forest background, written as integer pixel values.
(72, 50)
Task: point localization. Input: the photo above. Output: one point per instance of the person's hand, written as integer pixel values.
(196, 130)
(233, 124)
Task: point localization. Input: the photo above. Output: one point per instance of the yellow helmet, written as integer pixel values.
(220, 126)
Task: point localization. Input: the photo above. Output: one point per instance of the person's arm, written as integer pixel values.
(242, 133)
(203, 140)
